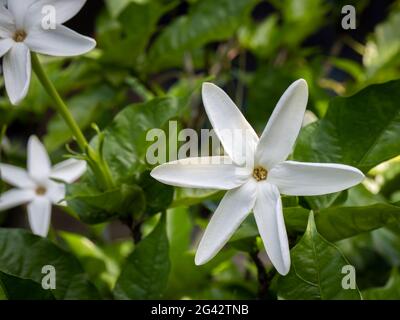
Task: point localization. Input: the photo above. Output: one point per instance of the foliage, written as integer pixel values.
(137, 240)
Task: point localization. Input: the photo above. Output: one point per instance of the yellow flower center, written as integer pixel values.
(260, 174)
(20, 36)
(40, 191)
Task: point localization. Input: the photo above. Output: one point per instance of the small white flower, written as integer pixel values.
(257, 185)
(35, 187)
(21, 32)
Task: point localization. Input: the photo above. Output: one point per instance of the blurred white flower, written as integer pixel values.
(256, 185)
(36, 186)
(21, 31)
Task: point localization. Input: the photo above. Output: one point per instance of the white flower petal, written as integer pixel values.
(61, 41)
(69, 170)
(56, 192)
(7, 24)
(64, 9)
(271, 226)
(39, 166)
(19, 8)
(283, 127)
(235, 133)
(209, 173)
(5, 45)
(17, 72)
(15, 197)
(39, 214)
(15, 176)
(310, 179)
(233, 209)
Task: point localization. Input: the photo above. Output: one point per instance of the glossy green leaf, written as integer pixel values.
(15, 288)
(362, 131)
(303, 16)
(338, 223)
(179, 227)
(334, 223)
(207, 21)
(383, 46)
(102, 269)
(117, 6)
(94, 206)
(23, 255)
(125, 144)
(146, 270)
(316, 270)
(158, 195)
(3, 295)
(262, 39)
(386, 242)
(127, 28)
(189, 196)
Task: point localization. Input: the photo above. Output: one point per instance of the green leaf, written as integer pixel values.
(316, 270)
(3, 295)
(15, 288)
(334, 223)
(129, 29)
(262, 39)
(383, 47)
(179, 227)
(362, 131)
(207, 21)
(190, 197)
(158, 195)
(391, 291)
(124, 149)
(125, 144)
(338, 223)
(23, 255)
(94, 206)
(117, 6)
(102, 269)
(303, 16)
(146, 271)
(386, 241)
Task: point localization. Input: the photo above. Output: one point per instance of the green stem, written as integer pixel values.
(95, 161)
(60, 106)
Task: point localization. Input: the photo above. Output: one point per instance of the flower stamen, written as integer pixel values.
(40, 191)
(19, 36)
(260, 174)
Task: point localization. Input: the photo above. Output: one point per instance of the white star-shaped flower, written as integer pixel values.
(22, 31)
(256, 185)
(36, 186)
